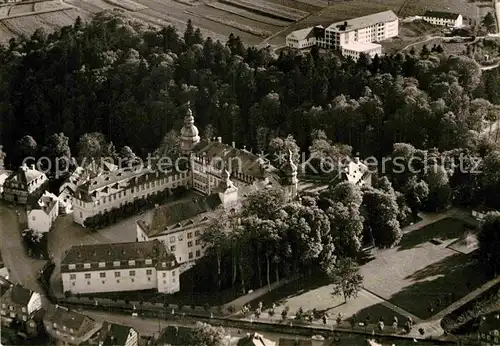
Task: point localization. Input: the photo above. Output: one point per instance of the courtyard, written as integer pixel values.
(432, 267)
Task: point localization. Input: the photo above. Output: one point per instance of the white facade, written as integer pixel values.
(41, 217)
(300, 39)
(116, 280)
(372, 28)
(185, 243)
(115, 189)
(119, 267)
(354, 50)
(23, 183)
(443, 19)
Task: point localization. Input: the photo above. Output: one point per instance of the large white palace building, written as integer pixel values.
(119, 267)
(208, 160)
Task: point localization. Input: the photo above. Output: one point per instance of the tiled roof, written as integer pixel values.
(24, 175)
(20, 295)
(255, 339)
(4, 285)
(136, 251)
(170, 217)
(46, 202)
(64, 317)
(112, 334)
(363, 22)
(240, 160)
(301, 34)
(293, 342)
(439, 14)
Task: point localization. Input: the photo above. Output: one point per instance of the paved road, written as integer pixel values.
(150, 327)
(23, 269)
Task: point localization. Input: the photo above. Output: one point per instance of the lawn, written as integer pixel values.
(423, 274)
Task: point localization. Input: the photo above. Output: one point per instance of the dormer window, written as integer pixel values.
(71, 266)
(173, 263)
(86, 265)
(163, 264)
(102, 264)
(54, 325)
(149, 261)
(131, 263)
(116, 263)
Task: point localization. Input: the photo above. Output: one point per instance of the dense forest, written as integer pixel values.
(115, 82)
(128, 81)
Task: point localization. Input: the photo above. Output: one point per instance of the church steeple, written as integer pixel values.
(290, 180)
(189, 132)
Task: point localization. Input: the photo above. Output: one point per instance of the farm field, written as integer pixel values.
(252, 20)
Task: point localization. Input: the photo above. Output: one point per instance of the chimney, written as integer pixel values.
(219, 139)
(233, 144)
(356, 160)
(345, 24)
(32, 166)
(24, 167)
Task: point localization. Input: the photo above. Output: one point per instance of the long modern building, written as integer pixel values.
(119, 267)
(350, 33)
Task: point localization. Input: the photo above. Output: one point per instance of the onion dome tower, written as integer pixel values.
(189, 132)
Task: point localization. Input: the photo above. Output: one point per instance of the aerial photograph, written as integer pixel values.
(250, 172)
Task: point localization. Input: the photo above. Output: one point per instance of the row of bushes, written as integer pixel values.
(103, 220)
(483, 304)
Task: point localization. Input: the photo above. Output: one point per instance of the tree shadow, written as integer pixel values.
(439, 285)
(445, 229)
(282, 294)
(372, 314)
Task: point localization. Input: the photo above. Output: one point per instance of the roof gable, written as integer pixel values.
(439, 14)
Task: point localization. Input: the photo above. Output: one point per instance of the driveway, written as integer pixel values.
(23, 269)
(65, 233)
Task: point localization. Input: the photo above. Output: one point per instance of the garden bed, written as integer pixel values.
(268, 10)
(457, 321)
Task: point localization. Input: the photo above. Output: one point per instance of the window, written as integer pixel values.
(33, 218)
(172, 239)
(197, 253)
(190, 243)
(173, 279)
(23, 309)
(164, 275)
(190, 235)
(197, 242)
(133, 280)
(164, 282)
(116, 263)
(173, 272)
(72, 276)
(163, 264)
(102, 264)
(180, 238)
(131, 273)
(148, 261)
(196, 233)
(102, 275)
(88, 282)
(117, 274)
(87, 276)
(86, 265)
(81, 215)
(131, 263)
(71, 266)
(117, 281)
(190, 255)
(149, 271)
(172, 248)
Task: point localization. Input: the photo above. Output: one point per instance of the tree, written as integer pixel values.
(58, 150)
(206, 335)
(279, 148)
(345, 278)
(27, 146)
(489, 243)
(381, 217)
(489, 22)
(127, 156)
(92, 146)
(170, 146)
